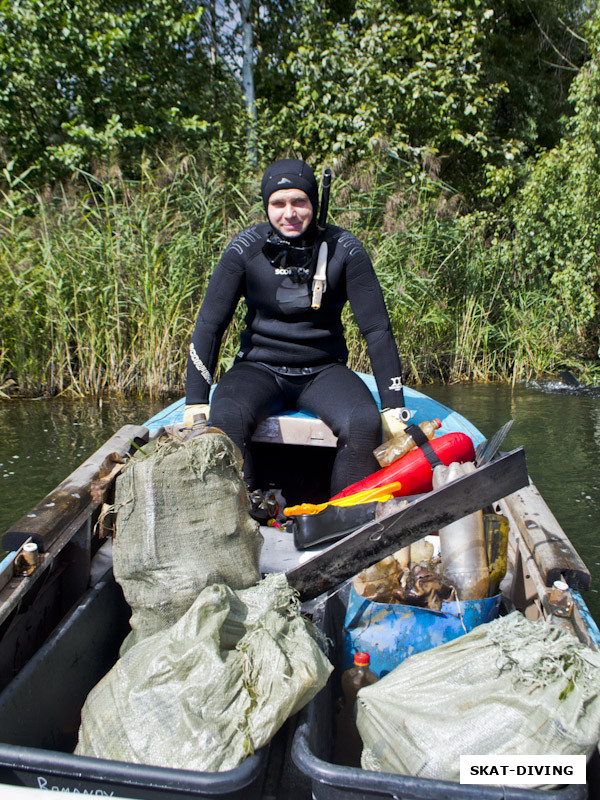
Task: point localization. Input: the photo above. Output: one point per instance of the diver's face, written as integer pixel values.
(290, 212)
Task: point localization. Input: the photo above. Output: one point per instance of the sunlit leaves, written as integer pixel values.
(90, 78)
(407, 76)
(556, 239)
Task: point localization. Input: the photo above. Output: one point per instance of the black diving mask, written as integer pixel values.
(282, 254)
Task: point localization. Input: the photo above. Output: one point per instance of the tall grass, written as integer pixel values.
(101, 280)
(462, 305)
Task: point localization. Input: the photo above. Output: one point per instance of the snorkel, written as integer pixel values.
(324, 205)
(319, 284)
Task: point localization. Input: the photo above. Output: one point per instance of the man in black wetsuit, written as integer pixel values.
(293, 355)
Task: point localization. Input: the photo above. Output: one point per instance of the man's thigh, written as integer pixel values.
(335, 394)
(252, 388)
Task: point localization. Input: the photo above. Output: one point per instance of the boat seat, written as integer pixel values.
(294, 428)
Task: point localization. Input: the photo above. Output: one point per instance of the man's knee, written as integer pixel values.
(362, 424)
(233, 417)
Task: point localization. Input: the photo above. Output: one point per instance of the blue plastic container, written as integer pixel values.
(391, 632)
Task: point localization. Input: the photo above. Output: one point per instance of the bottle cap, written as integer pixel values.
(438, 423)
(561, 586)
(362, 659)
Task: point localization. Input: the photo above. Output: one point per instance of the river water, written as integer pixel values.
(42, 441)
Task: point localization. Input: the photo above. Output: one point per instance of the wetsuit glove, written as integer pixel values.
(194, 414)
(393, 421)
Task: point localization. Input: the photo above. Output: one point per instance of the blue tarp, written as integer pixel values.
(392, 632)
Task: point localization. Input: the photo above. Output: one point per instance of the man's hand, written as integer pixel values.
(394, 421)
(194, 414)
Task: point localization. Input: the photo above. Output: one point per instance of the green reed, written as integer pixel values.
(462, 305)
(101, 281)
(102, 278)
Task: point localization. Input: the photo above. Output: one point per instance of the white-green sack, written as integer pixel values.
(512, 686)
(211, 689)
(183, 523)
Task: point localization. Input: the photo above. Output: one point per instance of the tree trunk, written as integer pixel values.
(248, 80)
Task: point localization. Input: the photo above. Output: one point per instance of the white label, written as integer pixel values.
(522, 770)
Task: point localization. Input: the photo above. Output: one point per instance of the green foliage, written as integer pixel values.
(466, 86)
(100, 283)
(461, 305)
(406, 80)
(464, 137)
(91, 79)
(465, 89)
(533, 50)
(556, 243)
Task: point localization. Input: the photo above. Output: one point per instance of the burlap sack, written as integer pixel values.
(510, 687)
(182, 524)
(211, 689)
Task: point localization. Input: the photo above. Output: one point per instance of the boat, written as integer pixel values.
(63, 617)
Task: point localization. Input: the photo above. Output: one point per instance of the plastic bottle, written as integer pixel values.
(495, 527)
(402, 443)
(348, 746)
(462, 543)
(560, 600)
(403, 557)
(420, 551)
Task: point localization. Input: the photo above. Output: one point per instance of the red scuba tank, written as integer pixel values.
(413, 470)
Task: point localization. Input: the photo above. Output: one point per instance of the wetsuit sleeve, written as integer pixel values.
(224, 290)
(368, 306)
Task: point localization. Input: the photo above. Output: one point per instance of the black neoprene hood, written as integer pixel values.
(290, 173)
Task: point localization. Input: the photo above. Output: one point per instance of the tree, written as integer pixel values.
(88, 78)
(248, 77)
(534, 50)
(557, 214)
(462, 85)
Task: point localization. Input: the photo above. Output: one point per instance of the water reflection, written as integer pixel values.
(41, 442)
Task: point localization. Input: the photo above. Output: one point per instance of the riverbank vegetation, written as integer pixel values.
(463, 137)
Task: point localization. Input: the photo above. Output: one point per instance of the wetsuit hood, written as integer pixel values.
(295, 254)
(290, 173)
